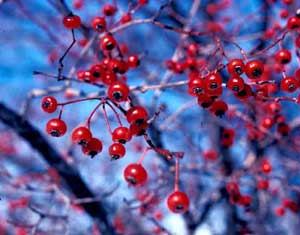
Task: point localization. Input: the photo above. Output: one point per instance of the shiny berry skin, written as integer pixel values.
(293, 23)
(121, 134)
(254, 69)
(135, 174)
(138, 129)
(81, 135)
(289, 84)
(56, 127)
(196, 86)
(109, 77)
(236, 84)
(178, 202)
(205, 101)
(96, 71)
(265, 166)
(49, 104)
(72, 21)
(218, 108)
(232, 188)
(137, 114)
(109, 10)
(133, 61)
(99, 24)
(118, 91)
(236, 67)
(279, 211)
(213, 82)
(116, 151)
(262, 184)
(283, 56)
(108, 42)
(92, 148)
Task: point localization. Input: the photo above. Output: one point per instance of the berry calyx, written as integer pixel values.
(71, 21)
(116, 151)
(118, 91)
(49, 104)
(56, 127)
(121, 134)
(219, 108)
(135, 174)
(81, 135)
(254, 69)
(92, 148)
(137, 114)
(178, 202)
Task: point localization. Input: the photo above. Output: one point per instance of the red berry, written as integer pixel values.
(136, 114)
(245, 93)
(236, 84)
(293, 23)
(126, 18)
(205, 100)
(178, 202)
(284, 13)
(99, 24)
(121, 134)
(236, 67)
(210, 155)
(283, 56)
(72, 21)
(92, 148)
(108, 42)
(254, 69)
(135, 174)
(289, 84)
(218, 108)
(137, 129)
(118, 91)
(81, 135)
(195, 86)
(192, 49)
(274, 108)
(109, 10)
(96, 71)
(213, 82)
(263, 184)
(49, 104)
(133, 61)
(116, 151)
(232, 188)
(56, 127)
(109, 77)
(265, 166)
(279, 211)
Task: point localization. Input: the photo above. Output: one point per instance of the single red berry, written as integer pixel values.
(245, 200)
(118, 66)
(196, 86)
(245, 93)
(267, 122)
(133, 61)
(116, 151)
(274, 108)
(232, 188)
(218, 108)
(108, 42)
(236, 67)
(283, 56)
(178, 202)
(213, 82)
(118, 91)
(96, 71)
(135, 174)
(254, 69)
(284, 13)
(72, 21)
(265, 166)
(109, 77)
(92, 148)
(56, 127)
(283, 129)
(262, 184)
(210, 155)
(287, 2)
(49, 104)
(121, 134)
(137, 114)
(236, 84)
(290, 204)
(192, 49)
(81, 135)
(126, 18)
(109, 10)
(279, 211)
(293, 23)
(138, 129)
(205, 101)
(289, 84)
(99, 24)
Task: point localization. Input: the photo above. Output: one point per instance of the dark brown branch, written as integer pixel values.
(67, 172)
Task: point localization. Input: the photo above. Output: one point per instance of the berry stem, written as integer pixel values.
(176, 186)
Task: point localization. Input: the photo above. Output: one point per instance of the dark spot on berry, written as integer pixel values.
(284, 61)
(121, 141)
(109, 46)
(178, 207)
(257, 73)
(46, 104)
(238, 70)
(197, 90)
(131, 180)
(236, 88)
(93, 153)
(82, 142)
(115, 157)
(117, 95)
(213, 85)
(96, 74)
(55, 133)
(219, 113)
(139, 122)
